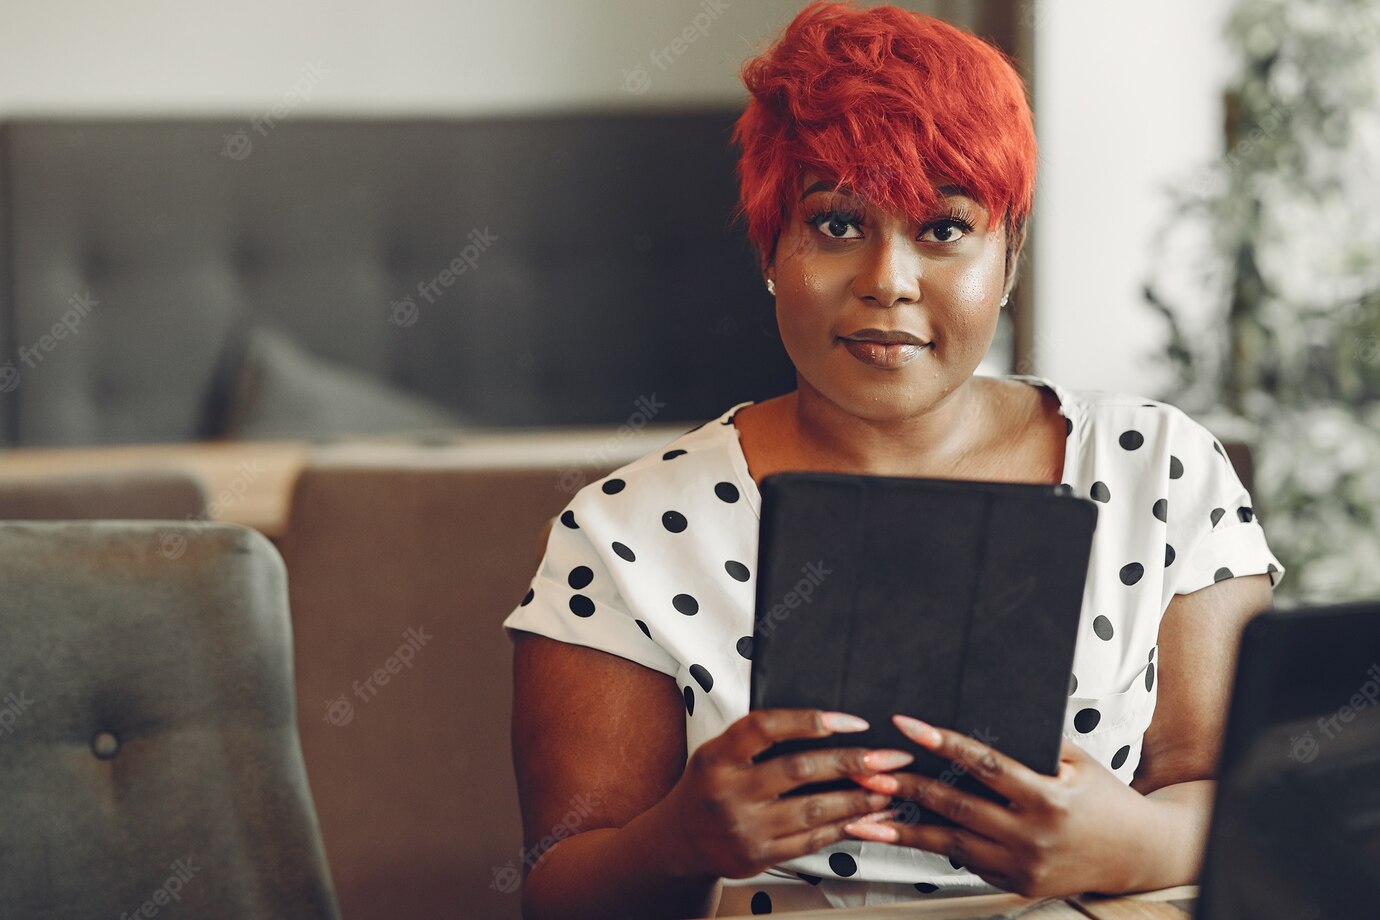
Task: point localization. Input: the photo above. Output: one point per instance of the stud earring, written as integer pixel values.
(771, 287)
(1004, 299)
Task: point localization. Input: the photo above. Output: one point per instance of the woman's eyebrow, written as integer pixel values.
(946, 191)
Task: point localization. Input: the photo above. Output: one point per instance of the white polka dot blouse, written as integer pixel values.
(654, 563)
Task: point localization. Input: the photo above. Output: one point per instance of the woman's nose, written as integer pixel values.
(890, 271)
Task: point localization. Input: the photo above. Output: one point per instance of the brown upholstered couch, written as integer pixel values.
(414, 555)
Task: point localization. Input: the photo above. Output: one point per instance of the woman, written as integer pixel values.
(886, 175)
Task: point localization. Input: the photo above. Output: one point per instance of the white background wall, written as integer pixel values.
(1128, 98)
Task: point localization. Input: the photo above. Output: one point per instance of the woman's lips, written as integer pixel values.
(886, 356)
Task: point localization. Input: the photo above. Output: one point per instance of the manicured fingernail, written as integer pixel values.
(879, 832)
(877, 800)
(886, 760)
(843, 722)
(880, 783)
(922, 732)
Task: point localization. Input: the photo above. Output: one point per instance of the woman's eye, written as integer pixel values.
(946, 231)
(834, 224)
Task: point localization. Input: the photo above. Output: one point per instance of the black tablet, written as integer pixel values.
(955, 602)
(1296, 820)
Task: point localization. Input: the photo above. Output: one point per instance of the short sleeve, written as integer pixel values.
(1213, 532)
(574, 598)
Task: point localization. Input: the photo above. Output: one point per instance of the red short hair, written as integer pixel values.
(885, 101)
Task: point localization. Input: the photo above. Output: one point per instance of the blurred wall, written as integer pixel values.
(1127, 97)
(1128, 100)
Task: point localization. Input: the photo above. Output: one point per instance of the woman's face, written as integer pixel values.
(842, 266)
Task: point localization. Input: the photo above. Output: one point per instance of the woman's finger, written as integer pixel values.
(1013, 779)
(788, 816)
(963, 847)
(761, 728)
(972, 811)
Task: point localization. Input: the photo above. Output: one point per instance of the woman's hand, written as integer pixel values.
(725, 818)
(1064, 834)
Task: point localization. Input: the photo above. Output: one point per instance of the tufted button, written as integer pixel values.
(105, 745)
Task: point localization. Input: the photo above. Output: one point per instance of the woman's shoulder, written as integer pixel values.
(1129, 421)
(701, 459)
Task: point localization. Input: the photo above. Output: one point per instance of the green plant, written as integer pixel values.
(1268, 279)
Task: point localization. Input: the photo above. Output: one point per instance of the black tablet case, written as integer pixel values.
(955, 602)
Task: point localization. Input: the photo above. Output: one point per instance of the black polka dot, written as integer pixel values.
(1168, 555)
(581, 606)
(1102, 627)
(1073, 683)
(673, 521)
(1131, 440)
(643, 626)
(955, 863)
(1218, 447)
(761, 903)
(1151, 656)
(926, 887)
(623, 552)
(672, 454)
(527, 598)
(726, 491)
(689, 701)
(1271, 569)
(1217, 515)
(1222, 574)
(1131, 573)
(1099, 492)
(1086, 720)
(843, 864)
(702, 677)
(613, 486)
(686, 604)
(1068, 427)
(568, 519)
(812, 879)
(1120, 756)
(1245, 513)
(736, 570)
(1176, 467)
(1161, 509)
(1149, 677)
(580, 577)
(745, 647)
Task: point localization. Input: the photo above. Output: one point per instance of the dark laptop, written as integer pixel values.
(1295, 828)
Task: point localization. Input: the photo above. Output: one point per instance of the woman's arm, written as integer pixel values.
(1200, 635)
(609, 734)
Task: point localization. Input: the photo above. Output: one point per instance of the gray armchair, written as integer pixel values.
(149, 756)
